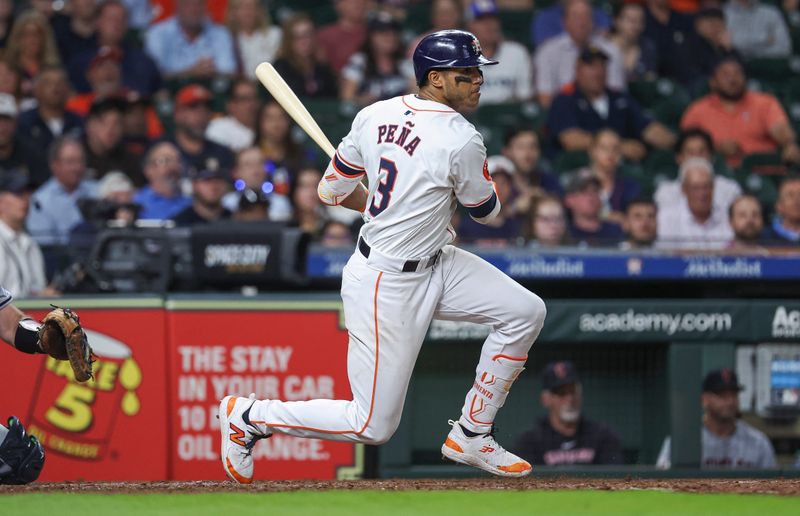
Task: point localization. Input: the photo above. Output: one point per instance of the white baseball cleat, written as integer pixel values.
(483, 452)
(239, 436)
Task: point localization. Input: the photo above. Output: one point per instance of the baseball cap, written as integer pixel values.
(8, 105)
(728, 57)
(580, 180)
(481, 8)
(592, 53)
(14, 180)
(191, 95)
(557, 374)
(251, 197)
(102, 106)
(208, 173)
(106, 53)
(114, 182)
(721, 380)
(499, 163)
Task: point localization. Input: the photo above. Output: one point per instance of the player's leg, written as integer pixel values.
(515, 316)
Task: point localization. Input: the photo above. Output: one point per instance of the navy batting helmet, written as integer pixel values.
(447, 49)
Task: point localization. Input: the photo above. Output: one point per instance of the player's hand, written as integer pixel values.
(62, 337)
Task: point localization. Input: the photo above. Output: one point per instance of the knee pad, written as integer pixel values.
(21, 455)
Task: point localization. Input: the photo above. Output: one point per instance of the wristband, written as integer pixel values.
(27, 337)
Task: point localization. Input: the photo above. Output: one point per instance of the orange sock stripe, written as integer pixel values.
(374, 381)
(510, 357)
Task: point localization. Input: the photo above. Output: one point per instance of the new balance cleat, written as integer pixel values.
(483, 452)
(239, 436)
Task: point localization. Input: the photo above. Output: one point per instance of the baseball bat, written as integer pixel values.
(284, 96)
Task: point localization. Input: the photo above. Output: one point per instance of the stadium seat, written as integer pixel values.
(568, 161)
(517, 25)
(664, 99)
(763, 163)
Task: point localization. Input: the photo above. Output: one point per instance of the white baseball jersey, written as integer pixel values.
(5, 297)
(420, 158)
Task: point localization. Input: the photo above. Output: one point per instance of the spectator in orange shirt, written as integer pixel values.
(741, 121)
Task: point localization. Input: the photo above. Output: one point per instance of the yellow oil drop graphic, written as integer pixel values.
(130, 376)
(130, 404)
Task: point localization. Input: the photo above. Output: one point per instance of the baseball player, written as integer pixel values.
(421, 158)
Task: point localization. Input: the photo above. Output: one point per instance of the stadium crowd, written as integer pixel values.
(658, 124)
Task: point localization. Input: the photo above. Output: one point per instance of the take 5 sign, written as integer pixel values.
(260, 347)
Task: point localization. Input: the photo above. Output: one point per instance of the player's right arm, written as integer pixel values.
(10, 316)
(473, 186)
(16, 328)
(341, 184)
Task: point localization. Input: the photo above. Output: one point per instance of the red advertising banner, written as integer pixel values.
(112, 427)
(263, 348)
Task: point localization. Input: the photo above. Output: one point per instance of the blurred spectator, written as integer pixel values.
(162, 199)
(138, 71)
(340, 40)
(521, 146)
(590, 106)
(21, 260)
(190, 45)
(564, 436)
(250, 174)
(786, 224)
(140, 123)
(512, 79)
(374, 73)
(6, 20)
(9, 79)
(140, 13)
(309, 212)
(55, 204)
(282, 156)
(585, 206)
(192, 116)
(256, 39)
(208, 188)
(237, 130)
(674, 38)
(638, 52)
(45, 8)
(445, 14)
(616, 190)
(253, 206)
(757, 30)
(548, 225)
(74, 28)
(298, 63)
(50, 118)
(713, 42)
(699, 223)
(103, 142)
(741, 121)
(747, 223)
(507, 225)
(104, 75)
(727, 442)
(15, 151)
(31, 47)
(555, 61)
(118, 189)
(337, 234)
(640, 224)
(549, 22)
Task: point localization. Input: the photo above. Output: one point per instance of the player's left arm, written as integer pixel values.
(341, 184)
(473, 185)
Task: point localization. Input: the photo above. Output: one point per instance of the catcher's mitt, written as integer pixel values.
(62, 337)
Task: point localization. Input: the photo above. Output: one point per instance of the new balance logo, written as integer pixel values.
(236, 435)
(486, 449)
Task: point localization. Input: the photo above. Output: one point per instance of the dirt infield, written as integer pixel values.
(786, 487)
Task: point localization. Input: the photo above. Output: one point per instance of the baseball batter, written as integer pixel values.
(421, 157)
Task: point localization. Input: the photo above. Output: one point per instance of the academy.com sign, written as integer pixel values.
(786, 323)
(665, 323)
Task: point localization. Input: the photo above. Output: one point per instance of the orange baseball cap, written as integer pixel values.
(192, 94)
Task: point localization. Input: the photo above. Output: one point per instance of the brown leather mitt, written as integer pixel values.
(62, 337)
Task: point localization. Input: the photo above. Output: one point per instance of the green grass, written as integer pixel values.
(367, 503)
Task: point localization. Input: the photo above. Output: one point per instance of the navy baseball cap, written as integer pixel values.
(559, 374)
(208, 173)
(592, 53)
(721, 380)
(481, 8)
(15, 181)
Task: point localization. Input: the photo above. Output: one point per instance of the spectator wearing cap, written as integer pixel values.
(55, 204)
(727, 442)
(236, 130)
(549, 22)
(785, 227)
(253, 206)
(674, 38)
(616, 190)
(747, 223)
(640, 224)
(161, 198)
(138, 71)
(255, 37)
(638, 52)
(298, 61)
(521, 146)
(511, 80)
(554, 61)
(699, 223)
(548, 224)
(103, 142)
(508, 223)
(338, 41)
(75, 30)
(757, 30)
(192, 116)
(189, 45)
(374, 72)
(15, 151)
(50, 119)
(739, 120)
(585, 206)
(208, 188)
(589, 105)
(105, 80)
(21, 260)
(564, 436)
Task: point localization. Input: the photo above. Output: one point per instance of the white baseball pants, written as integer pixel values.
(387, 314)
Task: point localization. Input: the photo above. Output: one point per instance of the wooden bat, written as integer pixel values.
(284, 96)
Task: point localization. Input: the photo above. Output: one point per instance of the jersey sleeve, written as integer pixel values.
(345, 169)
(473, 186)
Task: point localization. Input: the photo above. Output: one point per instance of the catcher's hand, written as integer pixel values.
(62, 337)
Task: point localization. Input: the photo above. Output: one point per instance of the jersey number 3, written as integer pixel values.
(384, 188)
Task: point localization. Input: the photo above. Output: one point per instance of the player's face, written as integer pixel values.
(461, 87)
(721, 406)
(746, 220)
